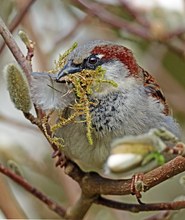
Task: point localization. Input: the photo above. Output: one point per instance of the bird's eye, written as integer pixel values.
(93, 60)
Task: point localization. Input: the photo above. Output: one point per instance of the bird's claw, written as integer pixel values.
(178, 149)
(61, 158)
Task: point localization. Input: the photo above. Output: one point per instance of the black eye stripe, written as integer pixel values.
(92, 62)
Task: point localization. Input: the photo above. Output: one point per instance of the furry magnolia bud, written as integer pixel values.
(18, 87)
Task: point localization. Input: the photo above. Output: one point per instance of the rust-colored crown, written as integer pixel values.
(118, 52)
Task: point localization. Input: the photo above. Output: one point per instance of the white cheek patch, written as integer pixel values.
(115, 70)
(118, 72)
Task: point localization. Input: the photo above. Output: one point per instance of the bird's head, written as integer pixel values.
(117, 61)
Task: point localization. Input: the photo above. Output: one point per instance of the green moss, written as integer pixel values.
(62, 58)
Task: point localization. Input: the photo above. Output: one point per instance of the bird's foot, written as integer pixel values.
(61, 160)
(178, 149)
(137, 186)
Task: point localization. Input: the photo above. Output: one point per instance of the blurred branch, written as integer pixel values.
(8, 202)
(60, 38)
(179, 51)
(163, 215)
(80, 208)
(16, 21)
(28, 25)
(14, 122)
(144, 30)
(145, 23)
(111, 19)
(176, 33)
(134, 13)
(34, 191)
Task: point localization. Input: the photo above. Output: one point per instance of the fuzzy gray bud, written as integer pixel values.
(18, 87)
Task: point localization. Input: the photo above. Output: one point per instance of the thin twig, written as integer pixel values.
(34, 191)
(141, 208)
(15, 22)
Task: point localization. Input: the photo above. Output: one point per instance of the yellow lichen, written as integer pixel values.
(62, 58)
(85, 83)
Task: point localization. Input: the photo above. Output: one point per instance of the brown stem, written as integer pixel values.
(15, 22)
(34, 191)
(32, 119)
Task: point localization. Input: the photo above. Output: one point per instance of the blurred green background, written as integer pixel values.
(154, 30)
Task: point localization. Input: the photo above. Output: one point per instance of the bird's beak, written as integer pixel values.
(69, 68)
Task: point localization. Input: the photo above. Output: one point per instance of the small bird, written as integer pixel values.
(134, 107)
